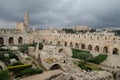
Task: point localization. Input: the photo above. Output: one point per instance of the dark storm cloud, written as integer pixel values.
(61, 13)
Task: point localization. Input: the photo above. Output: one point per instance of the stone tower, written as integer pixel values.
(26, 21)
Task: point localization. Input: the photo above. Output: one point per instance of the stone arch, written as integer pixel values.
(60, 50)
(76, 45)
(91, 37)
(89, 47)
(51, 42)
(105, 38)
(115, 51)
(105, 49)
(11, 41)
(98, 38)
(55, 66)
(114, 38)
(59, 43)
(71, 44)
(1, 41)
(97, 48)
(83, 46)
(44, 40)
(20, 40)
(65, 44)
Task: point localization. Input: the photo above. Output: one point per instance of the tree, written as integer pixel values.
(40, 46)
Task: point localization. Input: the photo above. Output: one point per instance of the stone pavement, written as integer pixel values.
(44, 76)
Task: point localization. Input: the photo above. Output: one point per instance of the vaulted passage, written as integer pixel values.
(105, 50)
(51, 43)
(65, 44)
(43, 40)
(11, 41)
(58, 43)
(20, 40)
(97, 48)
(89, 47)
(1, 41)
(115, 51)
(71, 44)
(55, 66)
(76, 45)
(83, 46)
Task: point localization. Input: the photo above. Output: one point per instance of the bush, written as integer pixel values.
(2, 49)
(100, 58)
(4, 75)
(28, 58)
(28, 72)
(6, 60)
(81, 54)
(23, 48)
(83, 66)
(17, 63)
(86, 56)
(40, 46)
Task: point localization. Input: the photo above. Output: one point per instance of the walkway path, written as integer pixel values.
(44, 76)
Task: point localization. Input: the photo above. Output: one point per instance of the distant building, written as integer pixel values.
(79, 28)
(24, 26)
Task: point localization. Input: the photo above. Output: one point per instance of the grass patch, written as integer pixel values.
(86, 56)
(88, 67)
(100, 58)
(4, 75)
(29, 72)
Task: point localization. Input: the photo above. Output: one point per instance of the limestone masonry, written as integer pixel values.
(95, 43)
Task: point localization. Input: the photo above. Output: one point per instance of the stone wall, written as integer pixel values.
(95, 43)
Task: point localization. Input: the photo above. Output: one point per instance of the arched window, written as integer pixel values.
(20, 40)
(98, 38)
(65, 44)
(76, 45)
(71, 44)
(105, 50)
(51, 42)
(97, 48)
(58, 43)
(105, 38)
(83, 46)
(55, 66)
(89, 47)
(11, 41)
(115, 51)
(91, 37)
(44, 40)
(1, 41)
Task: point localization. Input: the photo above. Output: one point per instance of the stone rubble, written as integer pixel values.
(71, 71)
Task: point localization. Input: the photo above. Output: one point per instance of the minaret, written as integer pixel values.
(26, 21)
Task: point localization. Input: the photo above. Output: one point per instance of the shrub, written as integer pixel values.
(2, 49)
(83, 66)
(100, 58)
(81, 54)
(34, 44)
(28, 58)
(4, 75)
(28, 72)
(23, 48)
(17, 63)
(40, 46)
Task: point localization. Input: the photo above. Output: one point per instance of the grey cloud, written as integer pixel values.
(94, 13)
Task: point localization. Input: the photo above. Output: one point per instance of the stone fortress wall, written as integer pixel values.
(95, 43)
(16, 36)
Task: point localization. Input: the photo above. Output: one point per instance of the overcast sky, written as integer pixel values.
(61, 13)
